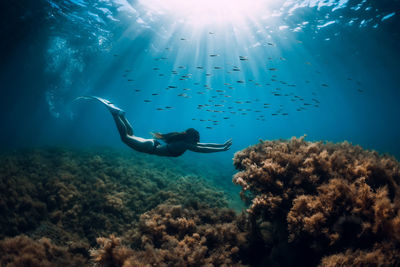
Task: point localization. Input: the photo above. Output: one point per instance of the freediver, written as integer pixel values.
(175, 143)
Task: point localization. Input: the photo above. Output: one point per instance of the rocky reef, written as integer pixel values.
(308, 203)
(72, 197)
(171, 235)
(321, 203)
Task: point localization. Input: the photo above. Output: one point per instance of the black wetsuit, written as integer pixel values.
(173, 152)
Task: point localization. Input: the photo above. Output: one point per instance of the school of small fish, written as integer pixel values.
(221, 105)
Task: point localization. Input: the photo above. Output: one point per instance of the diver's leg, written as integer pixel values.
(127, 124)
(137, 143)
(122, 129)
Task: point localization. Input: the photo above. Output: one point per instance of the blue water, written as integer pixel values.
(327, 69)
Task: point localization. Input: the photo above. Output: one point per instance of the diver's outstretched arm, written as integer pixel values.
(214, 145)
(208, 149)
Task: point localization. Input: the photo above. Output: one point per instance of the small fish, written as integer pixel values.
(270, 44)
(154, 94)
(187, 89)
(324, 85)
(208, 74)
(240, 81)
(220, 91)
(236, 69)
(137, 90)
(200, 68)
(243, 58)
(210, 32)
(273, 69)
(172, 86)
(183, 39)
(161, 74)
(285, 114)
(208, 127)
(217, 68)
(168, 107)
(360, 90)
(159, 108)
(155, 68)
(214, 55)
(130, 80)
(147, 101)
(226, 118)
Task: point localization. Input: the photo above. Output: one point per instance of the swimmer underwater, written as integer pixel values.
(175, 143)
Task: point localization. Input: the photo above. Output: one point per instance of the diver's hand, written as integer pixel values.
(228, 144)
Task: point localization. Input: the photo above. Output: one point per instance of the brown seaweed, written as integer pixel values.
(329, 198)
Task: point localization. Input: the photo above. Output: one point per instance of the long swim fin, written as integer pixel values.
(111, 107)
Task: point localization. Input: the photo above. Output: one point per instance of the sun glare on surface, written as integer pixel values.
(209, 12)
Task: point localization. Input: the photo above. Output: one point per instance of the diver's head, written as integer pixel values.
(192, 135)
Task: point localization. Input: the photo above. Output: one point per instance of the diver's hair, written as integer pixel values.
(190, 136)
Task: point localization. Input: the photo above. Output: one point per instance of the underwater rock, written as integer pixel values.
(335, 202)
